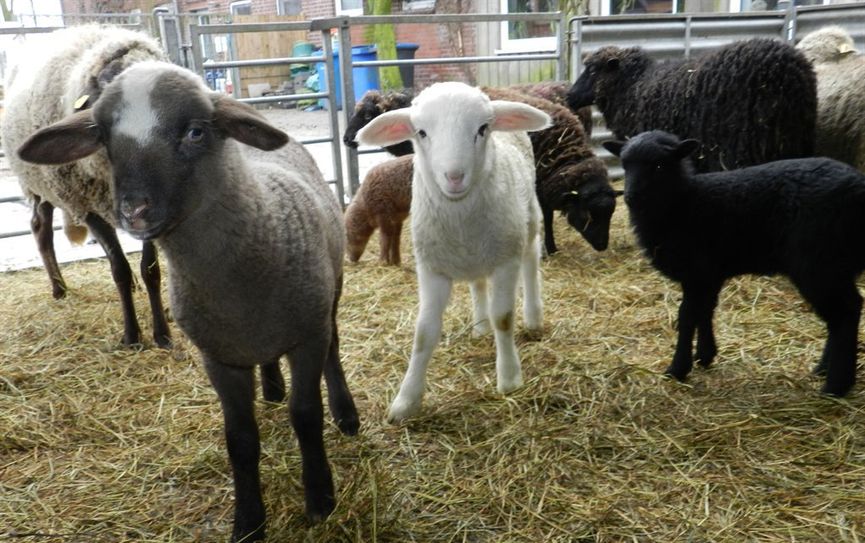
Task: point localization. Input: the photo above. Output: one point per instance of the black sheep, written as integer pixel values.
(802, 218)
(568, 175)
(748, 102)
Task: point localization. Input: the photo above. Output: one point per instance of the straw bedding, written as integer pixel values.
(105, 444)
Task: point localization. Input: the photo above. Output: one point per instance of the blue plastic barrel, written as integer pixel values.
(365, 78)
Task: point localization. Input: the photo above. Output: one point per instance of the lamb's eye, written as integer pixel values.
(421, 134)
(483, 130)
(195, 134)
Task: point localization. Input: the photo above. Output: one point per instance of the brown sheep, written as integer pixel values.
(383, 201)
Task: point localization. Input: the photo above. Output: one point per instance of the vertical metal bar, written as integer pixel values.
(578, 50)
(790, 23)
(347, 80)
(561, 48)
(195, 44)
(333, 115)
(688, 37)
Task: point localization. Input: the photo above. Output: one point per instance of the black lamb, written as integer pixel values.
(802, 218)
(748, 102)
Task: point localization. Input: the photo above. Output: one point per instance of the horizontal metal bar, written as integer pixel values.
(442, 18)
(11, 199)
(455, 60)
(284, 98)
(262, 62)
(4, 235)
(230, 28)
(316, 140)
(28, 30)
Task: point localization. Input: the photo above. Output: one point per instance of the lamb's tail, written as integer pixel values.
(75, 232)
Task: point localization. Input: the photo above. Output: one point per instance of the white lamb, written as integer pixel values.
(474, 217)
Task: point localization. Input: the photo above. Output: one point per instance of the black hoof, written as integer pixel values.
(349, 425)
(317, 511)
(676, 374)
(163, 342)
(837, 390)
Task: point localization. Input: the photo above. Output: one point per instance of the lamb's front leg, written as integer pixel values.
(683, 359)
(533, 306)
(307, 362)
(508, 370)
(480, 303)
(236, 390)
(435, 291)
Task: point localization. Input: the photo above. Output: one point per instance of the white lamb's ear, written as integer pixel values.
(387, 129)
(511, 116)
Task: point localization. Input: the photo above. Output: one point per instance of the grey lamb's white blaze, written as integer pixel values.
(137, 117)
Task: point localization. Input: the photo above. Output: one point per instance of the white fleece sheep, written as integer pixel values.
(254, 244)
(840, 95)
(474, 218)
(63, 72)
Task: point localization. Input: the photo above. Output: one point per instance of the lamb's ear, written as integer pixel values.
(71, 139)
(243, 123)
(613, 64)
(387, 129)
(511, 116)
(686, 147)
(614, 146)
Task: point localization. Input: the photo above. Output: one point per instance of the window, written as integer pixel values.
(525, 36)
(417, 5)
(619, 7)
(241, 8)
(349, 7)
(288, 7)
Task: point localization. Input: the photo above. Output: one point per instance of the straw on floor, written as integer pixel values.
(103, 444)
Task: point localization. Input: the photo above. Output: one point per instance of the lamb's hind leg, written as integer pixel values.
(839, 304)
(152, 282)
(42, 226)
(435, 291)
(389, 232)
(339, 398)
(509, 374)
(120, 270)
(235, 387)
(307, 417)
(272, 382)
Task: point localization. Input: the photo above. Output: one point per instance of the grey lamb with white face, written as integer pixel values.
(254, 243)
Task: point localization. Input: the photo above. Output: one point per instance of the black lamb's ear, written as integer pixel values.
(686, 147)
(613, 64)
(614, 146)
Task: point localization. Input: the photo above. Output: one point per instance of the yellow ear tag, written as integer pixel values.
(80, 102)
